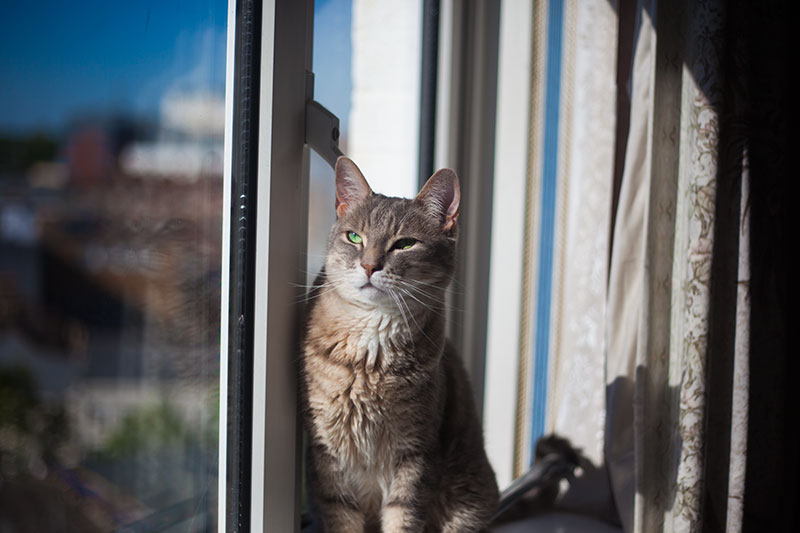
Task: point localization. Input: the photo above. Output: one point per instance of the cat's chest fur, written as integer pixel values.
(349, 386)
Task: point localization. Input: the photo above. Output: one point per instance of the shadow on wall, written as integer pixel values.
(643, 443)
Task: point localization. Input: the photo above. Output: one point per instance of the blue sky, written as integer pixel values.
(332, 57)
(99, 57)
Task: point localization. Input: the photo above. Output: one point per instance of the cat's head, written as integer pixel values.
(393, 252)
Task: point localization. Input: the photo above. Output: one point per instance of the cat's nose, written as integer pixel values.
(369, 268)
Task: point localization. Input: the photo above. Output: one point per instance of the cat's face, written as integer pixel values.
(392, 253)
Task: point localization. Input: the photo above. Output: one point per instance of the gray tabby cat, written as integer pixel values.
(395, 443)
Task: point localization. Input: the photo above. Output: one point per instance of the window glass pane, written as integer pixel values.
(111, 132)
(377, 102)
(332, 88)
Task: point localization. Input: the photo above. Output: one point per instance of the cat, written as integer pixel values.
(395, 443)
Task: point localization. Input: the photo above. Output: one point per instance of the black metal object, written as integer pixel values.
(427, 100)
(549, 470)
(244, 181)
(322, 126)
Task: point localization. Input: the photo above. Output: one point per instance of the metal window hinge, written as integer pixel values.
(322, 126)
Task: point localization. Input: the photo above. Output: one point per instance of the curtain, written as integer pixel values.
(571, 152)
(678, 302)
(694, 430)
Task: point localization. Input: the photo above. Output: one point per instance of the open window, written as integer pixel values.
(166, 194)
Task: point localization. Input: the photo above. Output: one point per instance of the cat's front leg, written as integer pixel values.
(333, 501)
(397, 517)
(404, 501)
(340, 516)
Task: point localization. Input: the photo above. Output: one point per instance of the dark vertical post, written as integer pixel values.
(771, 487)
(427, 101)
(246, 85)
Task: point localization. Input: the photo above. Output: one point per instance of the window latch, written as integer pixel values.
(322, 126)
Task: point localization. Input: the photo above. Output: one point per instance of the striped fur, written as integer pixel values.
(395, 443)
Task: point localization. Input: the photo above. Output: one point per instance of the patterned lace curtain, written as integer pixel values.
(678, 302)
(694, 431)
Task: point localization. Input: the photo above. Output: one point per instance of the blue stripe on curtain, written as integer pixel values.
(547, 227)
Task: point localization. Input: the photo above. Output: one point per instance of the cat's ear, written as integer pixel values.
(351, 187)
(441, 196)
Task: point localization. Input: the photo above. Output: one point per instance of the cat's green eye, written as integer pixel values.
(354, 237)
(404, 244)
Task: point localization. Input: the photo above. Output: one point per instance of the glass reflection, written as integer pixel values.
(111, 131)
(332, 88)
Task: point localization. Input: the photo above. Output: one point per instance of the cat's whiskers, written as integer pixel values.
(421, 330)
(423, 304)
(317, 290)
(396, 298)
(423, 293)
(417, 282)
(394, 279)
(425, 298)
(308, 296)
(442, 301)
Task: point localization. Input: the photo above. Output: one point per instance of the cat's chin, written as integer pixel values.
(370, 289)
(370, 296)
